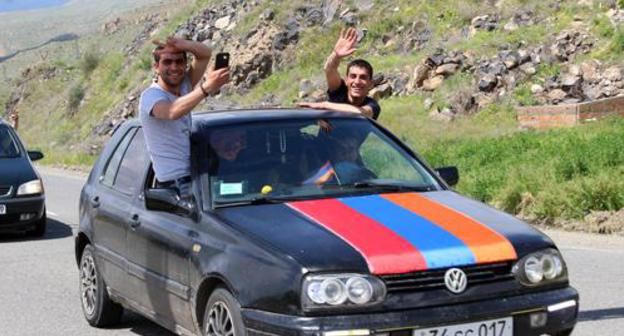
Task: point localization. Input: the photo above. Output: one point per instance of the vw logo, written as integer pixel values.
(455, 280)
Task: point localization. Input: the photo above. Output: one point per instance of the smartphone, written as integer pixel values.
(222, 61)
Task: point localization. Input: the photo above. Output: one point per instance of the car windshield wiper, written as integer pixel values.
(251, 201)
(391, 186)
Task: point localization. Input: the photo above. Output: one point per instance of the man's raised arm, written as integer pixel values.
(345, 46)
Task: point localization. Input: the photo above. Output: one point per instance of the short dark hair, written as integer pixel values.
(157, 55)
(360, 63)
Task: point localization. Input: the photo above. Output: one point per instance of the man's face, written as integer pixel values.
(358, 82)
(171, 68)
(228, 144)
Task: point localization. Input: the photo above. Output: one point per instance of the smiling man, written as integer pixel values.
(351, 93)
(165, 108)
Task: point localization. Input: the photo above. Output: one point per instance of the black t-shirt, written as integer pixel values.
(341, 96)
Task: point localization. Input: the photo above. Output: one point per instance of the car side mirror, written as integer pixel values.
(450, 175)
(166, 199)
(35, 155)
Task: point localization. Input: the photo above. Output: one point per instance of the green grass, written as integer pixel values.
(558, 173)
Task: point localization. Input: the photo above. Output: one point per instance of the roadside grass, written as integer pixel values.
(562, 173)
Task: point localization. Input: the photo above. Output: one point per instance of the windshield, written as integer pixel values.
(8, 147)
(306, 159)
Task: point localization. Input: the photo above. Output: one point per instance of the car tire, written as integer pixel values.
(97, 307)
(40, 226)
(223, 315)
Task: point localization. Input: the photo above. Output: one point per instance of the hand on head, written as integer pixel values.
(172, 45)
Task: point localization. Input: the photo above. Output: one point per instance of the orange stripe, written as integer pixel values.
(486, 244)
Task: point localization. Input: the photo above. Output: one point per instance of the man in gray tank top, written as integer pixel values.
(165, 108)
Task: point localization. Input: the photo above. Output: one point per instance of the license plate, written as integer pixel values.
(2, 209)
(498, 327)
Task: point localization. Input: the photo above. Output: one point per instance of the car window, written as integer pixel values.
(388, 162)
(8, 145)
(306, 158)
(110, 172)
(132, 166)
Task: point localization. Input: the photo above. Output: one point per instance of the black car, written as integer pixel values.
(22, 200)
(308, 222)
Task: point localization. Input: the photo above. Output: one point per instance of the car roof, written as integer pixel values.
(235, 116)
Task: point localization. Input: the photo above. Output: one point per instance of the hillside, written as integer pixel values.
(450, 75)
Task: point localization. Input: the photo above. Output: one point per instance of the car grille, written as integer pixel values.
(433, 279)
(5, 190)
(9, 219)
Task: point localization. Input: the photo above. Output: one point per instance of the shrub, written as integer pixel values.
(76, 94)
(88, 63)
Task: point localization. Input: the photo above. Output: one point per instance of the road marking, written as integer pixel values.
(53, 214)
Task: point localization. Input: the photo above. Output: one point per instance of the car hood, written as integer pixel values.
(15, 171)
(388, 233)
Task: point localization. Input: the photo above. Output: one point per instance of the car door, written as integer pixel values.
(110, 200)
(159, 248)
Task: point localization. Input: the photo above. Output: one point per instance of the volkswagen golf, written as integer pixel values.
(306, 222)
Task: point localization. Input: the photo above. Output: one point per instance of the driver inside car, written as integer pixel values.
(345, 164)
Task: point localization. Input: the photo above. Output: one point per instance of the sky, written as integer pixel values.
(16, 5)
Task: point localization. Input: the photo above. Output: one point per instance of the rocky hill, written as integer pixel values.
(449, 74)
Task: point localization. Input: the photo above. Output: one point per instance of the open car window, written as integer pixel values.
(8, 145)
(305, 159)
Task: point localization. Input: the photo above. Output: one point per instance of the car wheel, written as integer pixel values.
(40, 227)
(98, 308)
(223, 315)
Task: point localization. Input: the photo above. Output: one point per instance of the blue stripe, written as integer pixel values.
(439, 247)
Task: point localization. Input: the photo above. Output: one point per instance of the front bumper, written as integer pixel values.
(33, 206)
(560, 317)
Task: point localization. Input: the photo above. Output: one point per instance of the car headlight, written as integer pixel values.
(540, 268)
(30, 188)
(341, 290)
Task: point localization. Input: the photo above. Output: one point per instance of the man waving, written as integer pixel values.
(351, 93)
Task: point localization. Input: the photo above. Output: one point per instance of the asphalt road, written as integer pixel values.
(39, 277)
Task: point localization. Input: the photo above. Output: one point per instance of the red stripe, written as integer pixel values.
(384, 250)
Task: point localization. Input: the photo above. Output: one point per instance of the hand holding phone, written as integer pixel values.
(222, 60)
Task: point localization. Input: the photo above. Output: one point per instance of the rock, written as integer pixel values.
(510, 26)
(511, 60)
(569, 80)
(446, 70)
(421, 72)
(428, 103)
(364, 5)
(329, 10)
(482, 99)
(350, 19)
(593, 93)
(557, 95)
(487, 83)
(432, 84)
(399, 84)
(310, 14)
(382, 91)
(496, 68)
(528, 69)
(536, 88)
(267, 15)
(436, 60)
(575, 70)
(613, 74)
(445, 115)
(222, 23)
